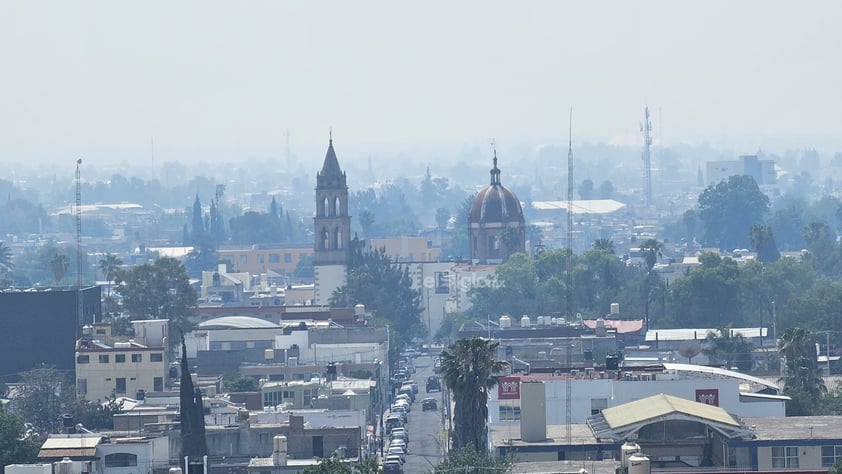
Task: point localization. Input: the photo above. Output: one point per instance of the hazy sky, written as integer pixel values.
(226, 79)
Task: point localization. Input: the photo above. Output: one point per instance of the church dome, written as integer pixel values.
(495, 203)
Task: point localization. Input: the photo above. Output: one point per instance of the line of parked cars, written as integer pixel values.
(396, 428)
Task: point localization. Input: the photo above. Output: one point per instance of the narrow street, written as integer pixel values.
(424, 427)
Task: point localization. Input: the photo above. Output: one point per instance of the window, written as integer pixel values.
(100, 332)
(598, 404)
(784, 456)
(103, 358)
(274, 258)
(158, 384)
(260, 258)
(83, 359)
(287, 258)
(831, 454)
(137, 358)
(81, 387)
(120, 386)
(244, 259)
(120, 358)
(156, 357)
(120, 460)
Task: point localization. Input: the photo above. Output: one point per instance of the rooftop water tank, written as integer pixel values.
(525, 322)
(540, 321)
(615, 309)
(505, 321)
(638, 464)
(600, 327)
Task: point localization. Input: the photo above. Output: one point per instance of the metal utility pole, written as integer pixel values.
(646, 128)
(79, 305)
(569, 275)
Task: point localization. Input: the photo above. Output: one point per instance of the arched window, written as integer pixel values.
(325, 240)
(120, 460)
(338, 235)
(337, 207)
(324, 207)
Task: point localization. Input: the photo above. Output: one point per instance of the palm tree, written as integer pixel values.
(802, 367)
(469, 369)
(651, 251)
(366, 221)
(109, 267)
(606, 245)
(764, 243)
(6, 264)
(59, 265)
(726, 346)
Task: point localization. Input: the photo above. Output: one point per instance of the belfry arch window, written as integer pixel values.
(324, 207)
(338, 238)
(337, 207)
(324, 241)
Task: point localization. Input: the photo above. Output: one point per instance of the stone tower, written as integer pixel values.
(332, 228)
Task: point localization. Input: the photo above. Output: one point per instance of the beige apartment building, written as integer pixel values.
(106, 365)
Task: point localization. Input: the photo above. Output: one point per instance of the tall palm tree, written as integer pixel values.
(59, 265)
(651, 251)
(6, 264)
(469, 368)
(109, 267)
(802, 367)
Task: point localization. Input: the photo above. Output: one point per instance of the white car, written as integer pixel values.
(397, 450)
(398, 442)
(394, 457)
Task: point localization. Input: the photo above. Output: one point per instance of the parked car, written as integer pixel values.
(397, 450)
(392, 422)
(429, 403)
(392, 467)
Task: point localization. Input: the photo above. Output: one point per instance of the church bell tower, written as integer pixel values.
(332, 228)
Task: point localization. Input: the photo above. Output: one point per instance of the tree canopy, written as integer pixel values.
(729, 209)
(385, 288)
(160, 290)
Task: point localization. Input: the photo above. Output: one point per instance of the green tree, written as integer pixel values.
(6, 264)
(606, 245)
(606, 190)
(336, 465)
(709, 293)
(96, 415)
(304, 267)
(386, 289)
(59, 263)
(724, 346)
(469, 369)
(471, 460)
(586, 189)
(18, 443)
(764, 243)
(233, 383)
(160, 290)
(729, 208)
(43, 396)
(366, 222)
(109, 266)
(802, 378)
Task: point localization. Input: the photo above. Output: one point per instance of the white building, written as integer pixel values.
(591, 392)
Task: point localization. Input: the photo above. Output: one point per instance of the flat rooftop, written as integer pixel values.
(796, 427)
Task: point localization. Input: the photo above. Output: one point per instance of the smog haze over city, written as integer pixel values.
(155, 82)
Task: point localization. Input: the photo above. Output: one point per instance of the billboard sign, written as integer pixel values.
(508, 388)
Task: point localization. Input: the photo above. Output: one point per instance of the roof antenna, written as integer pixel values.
(330, 134)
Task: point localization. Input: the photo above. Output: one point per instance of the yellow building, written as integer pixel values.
(261, 259)
(106, 366)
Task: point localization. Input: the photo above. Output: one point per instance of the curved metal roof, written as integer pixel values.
(703, 369)
(237, 322)
(620, 422)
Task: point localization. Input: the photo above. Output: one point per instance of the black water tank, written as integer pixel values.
(140, 394)
(588, 353)
(612, 362)
(67, 420)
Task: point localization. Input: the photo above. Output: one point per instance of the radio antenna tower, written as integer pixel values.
(79, 306)
(569, 275)
(646, 128)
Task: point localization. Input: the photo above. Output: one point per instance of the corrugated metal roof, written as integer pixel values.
(704, 369)
(238, 322)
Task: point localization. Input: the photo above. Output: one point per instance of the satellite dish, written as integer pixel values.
(689, 349)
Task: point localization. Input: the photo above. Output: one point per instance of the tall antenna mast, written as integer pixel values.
(646, 128)
(79, 306)
(569, 275)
